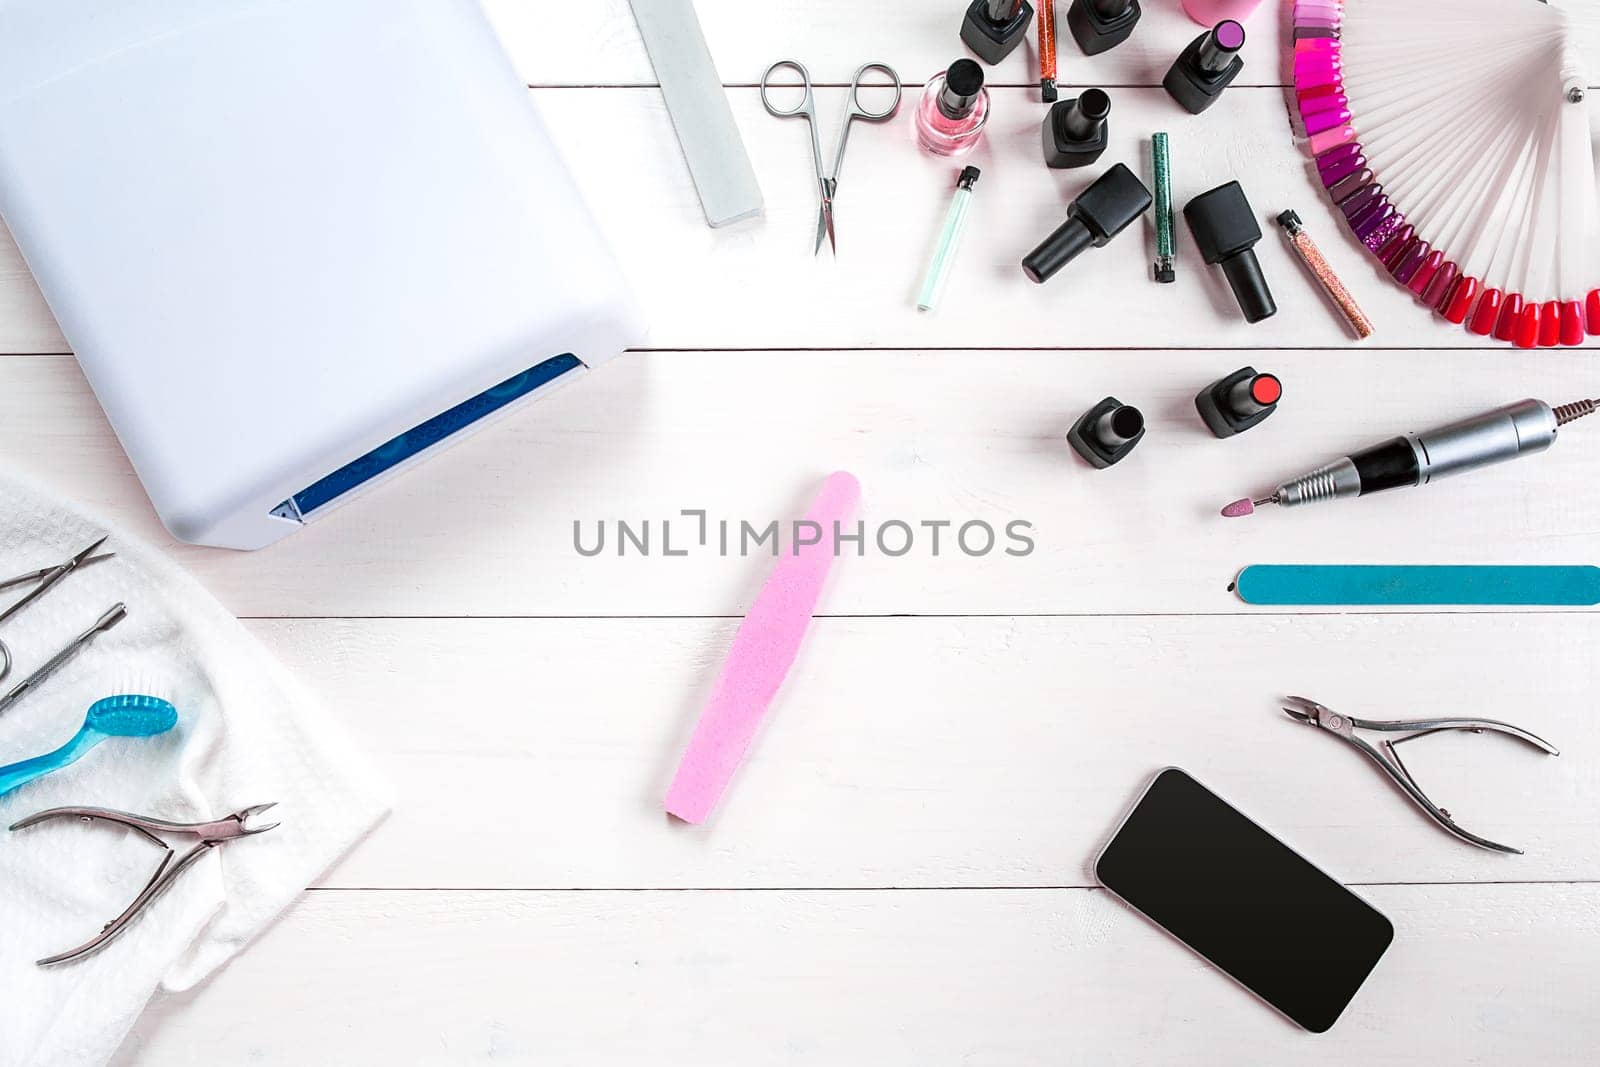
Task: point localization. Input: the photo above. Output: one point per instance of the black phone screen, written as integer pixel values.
(1244, 900)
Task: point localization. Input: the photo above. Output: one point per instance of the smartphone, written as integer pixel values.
(1251, 905)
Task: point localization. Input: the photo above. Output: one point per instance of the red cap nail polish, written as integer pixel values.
(1460, 299)
(1591, 312)
(1549, 324)
(1572, 323)
(1488, 313)
(1510, 316)
(1527, 327)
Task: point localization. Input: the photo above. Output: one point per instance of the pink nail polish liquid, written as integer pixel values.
(954, 107)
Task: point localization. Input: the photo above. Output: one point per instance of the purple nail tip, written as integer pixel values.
(1395, 249)
(1411, 262)
(1344, 189)
(1333, 174)
(1315, 67)
(1326, 120)
(1335, 155)
(1323, 102)
(1374, 218)
(1358, 203)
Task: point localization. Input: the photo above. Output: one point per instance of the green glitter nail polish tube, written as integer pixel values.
(1163, 166)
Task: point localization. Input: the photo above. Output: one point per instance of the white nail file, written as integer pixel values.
(699, 108)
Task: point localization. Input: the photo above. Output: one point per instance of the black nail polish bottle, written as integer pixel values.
(1225, 230)
(1076, 130)
(1101, 212)
(993, 28)
(1233, 404)
(1207, 67)
(1107, 432)
(1100, 25)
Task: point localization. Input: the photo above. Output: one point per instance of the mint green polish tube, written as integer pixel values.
(945, 253)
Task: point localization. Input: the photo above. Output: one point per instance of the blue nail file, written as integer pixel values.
(1350, 585)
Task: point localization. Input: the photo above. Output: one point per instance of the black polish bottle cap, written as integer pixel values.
(1076, 131)
(1225, 230)
(963, 84)
(994, 28)
(1107, 432)
(1101, 212)
(1099, 25)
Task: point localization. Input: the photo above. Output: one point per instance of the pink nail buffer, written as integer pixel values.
(762, 652)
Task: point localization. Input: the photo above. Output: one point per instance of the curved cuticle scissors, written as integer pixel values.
(828, 180)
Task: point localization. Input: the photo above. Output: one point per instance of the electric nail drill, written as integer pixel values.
(1519, 429)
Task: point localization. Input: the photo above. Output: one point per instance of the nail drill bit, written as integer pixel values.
(1163, 169)
(1519, 429)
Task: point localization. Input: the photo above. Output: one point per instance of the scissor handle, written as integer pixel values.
(807, 105)
(858, 110)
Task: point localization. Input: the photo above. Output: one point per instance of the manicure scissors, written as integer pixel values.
(828, 181)
(46, 577)
(208, 836)
(1384, 755)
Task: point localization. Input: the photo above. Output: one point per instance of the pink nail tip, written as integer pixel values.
(1238, 509)
(1321, 142)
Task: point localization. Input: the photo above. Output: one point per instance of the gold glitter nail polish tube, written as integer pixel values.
(1311, 256)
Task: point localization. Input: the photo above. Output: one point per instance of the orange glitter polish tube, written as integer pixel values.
(1047, 50)
(1311, 256)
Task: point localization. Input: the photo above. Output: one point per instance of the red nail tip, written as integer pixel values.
(1460, 299)
(1419, 281)
(1571, 323)
(1549, 324)
(1510, 316)
(1488, 313)
(1526, 333)
(1444, 280)
(1591, 311)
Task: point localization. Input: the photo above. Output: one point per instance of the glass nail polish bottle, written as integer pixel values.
(954, 107)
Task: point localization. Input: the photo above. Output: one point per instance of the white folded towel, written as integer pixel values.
(248, 734)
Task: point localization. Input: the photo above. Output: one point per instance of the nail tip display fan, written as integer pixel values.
(1454, 139)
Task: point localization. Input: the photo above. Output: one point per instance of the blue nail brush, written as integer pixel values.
(129, 715)
(1344, 585)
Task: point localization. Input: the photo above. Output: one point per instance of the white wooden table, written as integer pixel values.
(901, 874)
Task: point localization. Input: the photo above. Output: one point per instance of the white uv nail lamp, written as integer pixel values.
(295, 244)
